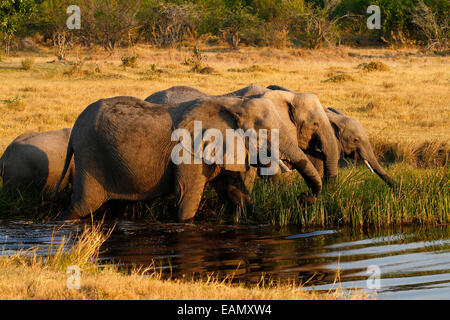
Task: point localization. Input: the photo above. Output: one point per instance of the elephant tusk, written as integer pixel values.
(368, 165)
(284, 168)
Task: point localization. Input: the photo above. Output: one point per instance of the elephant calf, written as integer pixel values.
(34, 161)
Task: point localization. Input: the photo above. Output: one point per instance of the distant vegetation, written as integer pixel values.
(275, 23)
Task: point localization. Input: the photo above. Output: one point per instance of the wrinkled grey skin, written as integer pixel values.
(302, 114)
(175, 95)
(179, 94)
(352, 140)
(303, 118)
(231, 189)
(34, 161)
(122, 148)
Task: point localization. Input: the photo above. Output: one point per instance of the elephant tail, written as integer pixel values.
(2, 165)
(69, 155)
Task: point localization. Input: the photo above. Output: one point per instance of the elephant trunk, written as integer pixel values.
(302, 164)
(330, 151)
(371, 162)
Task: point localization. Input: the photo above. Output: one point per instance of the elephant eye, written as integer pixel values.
(355, 140)
(316, 124)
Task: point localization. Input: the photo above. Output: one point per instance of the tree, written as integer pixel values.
(12, 15)
(54, 16)
(231, 18)
(320, 24)
(167, 24)
(114, 19)
(436, 32)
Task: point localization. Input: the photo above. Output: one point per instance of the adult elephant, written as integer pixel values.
(123, 149)
(34, 161)
(301, 113)
(179, 94)
(352, 140)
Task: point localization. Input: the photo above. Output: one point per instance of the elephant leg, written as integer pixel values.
(232, 188)
(190, 182)
(87, 196)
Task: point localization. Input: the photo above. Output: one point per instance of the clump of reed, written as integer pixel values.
(81, 250)
(84, 249)
(359, 198)
(429, 154)
(31, 204)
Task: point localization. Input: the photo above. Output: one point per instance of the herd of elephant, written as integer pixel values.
(120, 148)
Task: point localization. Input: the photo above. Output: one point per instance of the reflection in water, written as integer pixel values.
(414, 262)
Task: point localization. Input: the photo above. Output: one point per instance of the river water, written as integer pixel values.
(397, 263)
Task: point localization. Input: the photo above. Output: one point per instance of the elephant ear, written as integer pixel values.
(335, 111)
(284, 100)
(205, 127)
(277, 87)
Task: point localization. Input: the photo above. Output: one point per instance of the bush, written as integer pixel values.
(129, 61)
(373, 66)
(277, 23)
(341, 78)
(27, 64)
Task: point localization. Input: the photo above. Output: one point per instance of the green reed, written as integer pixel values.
(357, 198)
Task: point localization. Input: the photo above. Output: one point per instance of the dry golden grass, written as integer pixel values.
(406, 105)
(40, 282)
(28, 276)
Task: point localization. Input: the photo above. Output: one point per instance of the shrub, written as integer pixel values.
(373, 66)
(435, 31)
(129, 61)
(14, 103)
(341, 78)
(197, 61)
(27, 64)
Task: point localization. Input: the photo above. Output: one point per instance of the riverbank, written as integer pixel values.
(26, 275)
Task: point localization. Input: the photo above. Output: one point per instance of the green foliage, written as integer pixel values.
(13, 12)
(130, 61)
(170, 23)
(395, 15)
(357, 198)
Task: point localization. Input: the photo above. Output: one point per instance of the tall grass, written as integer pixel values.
(359, 198)
(81, 250)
